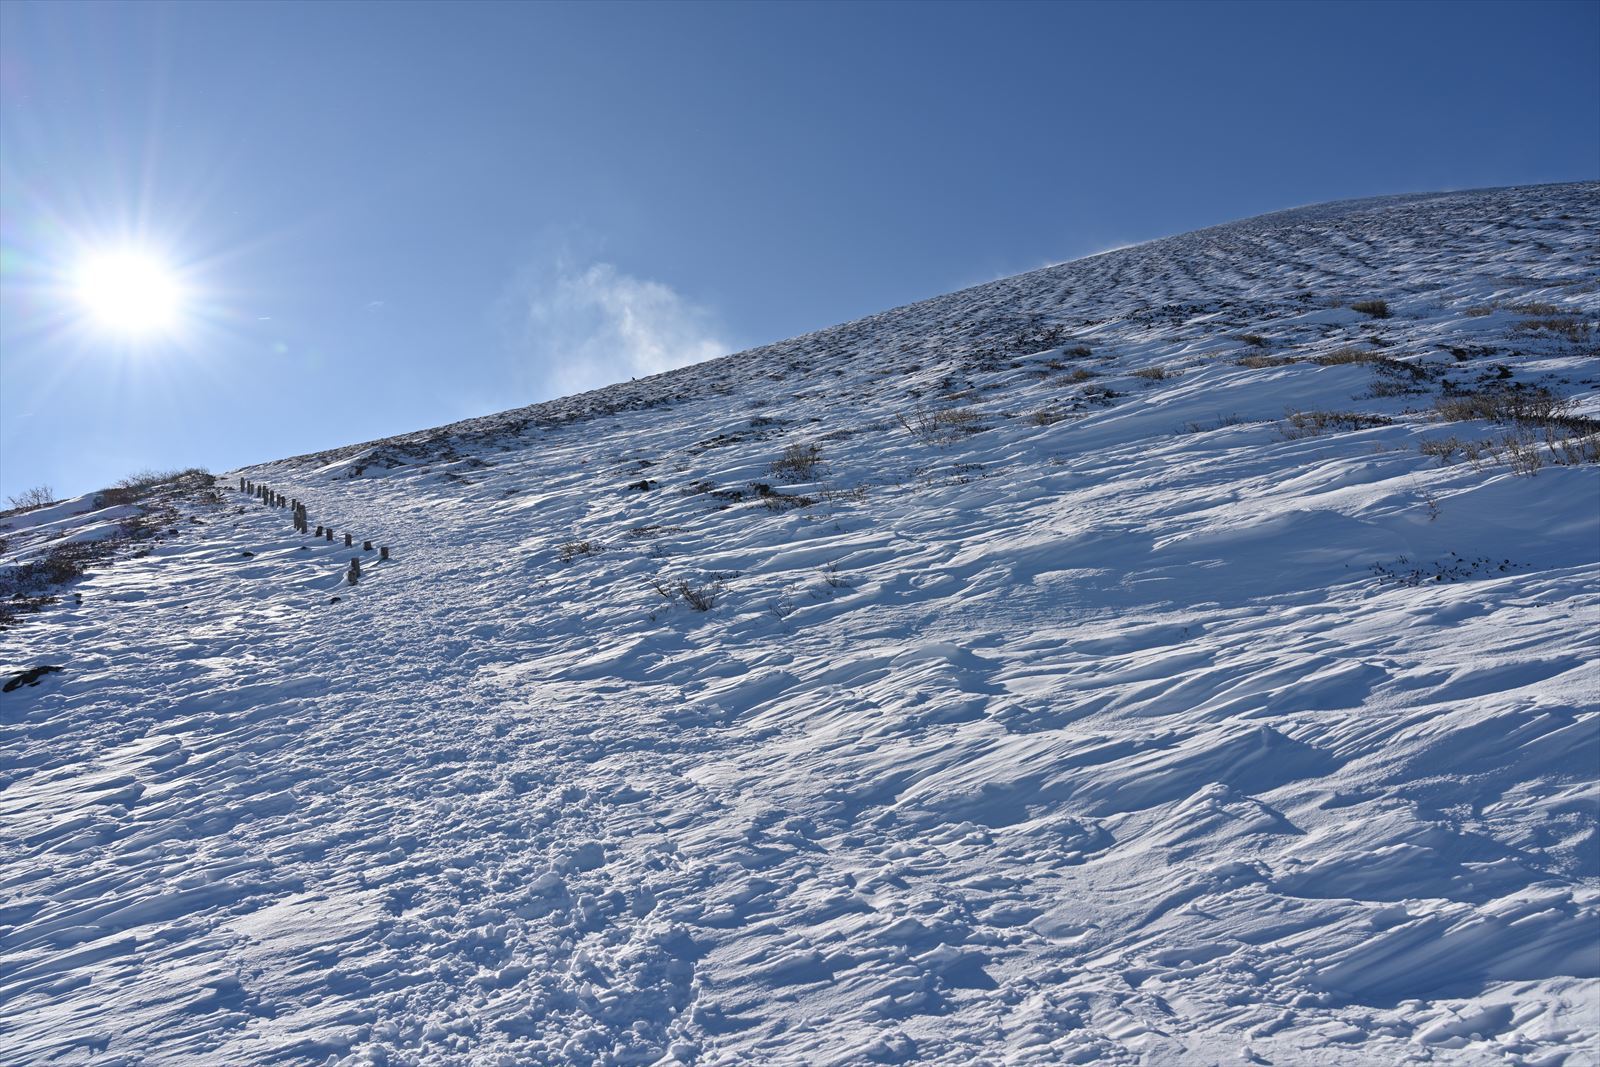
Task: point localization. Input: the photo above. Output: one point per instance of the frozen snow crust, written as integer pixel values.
(1044, 711)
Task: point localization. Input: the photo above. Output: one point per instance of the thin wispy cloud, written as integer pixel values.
(581, 327)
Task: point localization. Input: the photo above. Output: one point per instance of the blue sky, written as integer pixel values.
(388, 217)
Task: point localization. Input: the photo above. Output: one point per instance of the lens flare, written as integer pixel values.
(129, 292)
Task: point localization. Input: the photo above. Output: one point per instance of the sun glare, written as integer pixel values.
(129, 292)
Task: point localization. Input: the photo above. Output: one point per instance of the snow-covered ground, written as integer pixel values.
(1046, 712)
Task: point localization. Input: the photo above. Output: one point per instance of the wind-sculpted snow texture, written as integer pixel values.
(1054, 714)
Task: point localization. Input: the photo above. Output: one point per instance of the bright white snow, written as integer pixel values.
(1053, 725)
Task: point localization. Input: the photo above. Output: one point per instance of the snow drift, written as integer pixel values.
(1182, 655)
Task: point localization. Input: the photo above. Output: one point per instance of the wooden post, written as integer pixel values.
(241, 484)
(347, 540)
(329, 532)
(319, 529)
(353, 575)
(366, 546)
(383, 552)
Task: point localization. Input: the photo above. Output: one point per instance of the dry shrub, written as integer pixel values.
(702, 597)
(773, 500)
(1522, 454)
(1570, 450)
(1529, 404)
(1221, 422)
(653, 530)
(798, 464)
(573, 549)
(1378, 309)
(1155, 374)
(1575, 330)
(149, 479)
(1346, 355)
(1298, 424)
(1523, 449)
(938, 424)
(1445, 449)
(1262, 362)
(1396, 377)
(28, 499)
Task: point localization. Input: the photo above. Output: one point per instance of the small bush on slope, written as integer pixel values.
(799, 463)
(25, 588)
(28, 499)
(141, 484)
(1155, 374)
(701, 597)
(932, 425)
(1575, 330)
(1446, 448)
(1298, 424)
(571, 550)
(1534, 405)
(1346, 355)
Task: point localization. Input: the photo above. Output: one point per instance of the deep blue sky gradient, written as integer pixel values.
(366, 198)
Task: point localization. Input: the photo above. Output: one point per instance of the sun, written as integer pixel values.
(129, 292)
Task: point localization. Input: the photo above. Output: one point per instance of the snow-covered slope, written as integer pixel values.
(1050, 707)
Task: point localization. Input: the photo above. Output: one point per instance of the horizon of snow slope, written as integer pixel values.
(1166, 657)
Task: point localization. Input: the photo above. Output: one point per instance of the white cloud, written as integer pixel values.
(581, 328)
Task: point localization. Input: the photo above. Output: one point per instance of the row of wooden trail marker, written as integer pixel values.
(302, 523)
